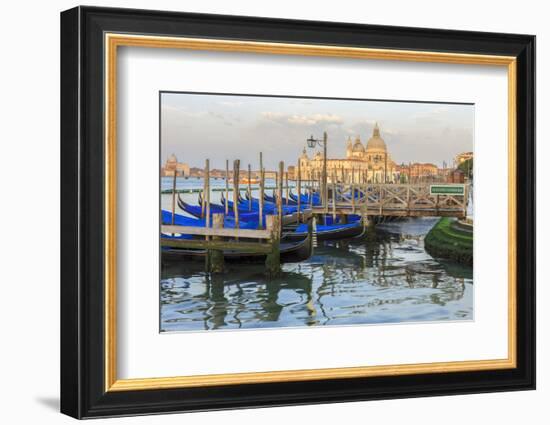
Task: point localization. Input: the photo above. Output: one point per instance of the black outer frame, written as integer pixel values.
(82, 206)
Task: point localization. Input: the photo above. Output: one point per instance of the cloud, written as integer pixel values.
(230, 103)
(303, 120)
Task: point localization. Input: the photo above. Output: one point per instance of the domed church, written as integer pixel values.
(370, 163)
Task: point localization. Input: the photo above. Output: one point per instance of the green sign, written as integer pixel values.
(447, 189)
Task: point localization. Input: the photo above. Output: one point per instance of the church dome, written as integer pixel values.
(376, 143)
(358, 146)
(172, 159)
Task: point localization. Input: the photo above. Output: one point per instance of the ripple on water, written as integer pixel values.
(390, 280)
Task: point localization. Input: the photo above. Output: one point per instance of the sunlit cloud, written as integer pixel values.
(306, 120)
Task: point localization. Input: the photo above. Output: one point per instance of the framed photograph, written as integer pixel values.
(261, 212)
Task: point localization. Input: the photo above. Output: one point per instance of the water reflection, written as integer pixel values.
(391, 279)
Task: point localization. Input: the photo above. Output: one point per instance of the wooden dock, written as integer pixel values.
(217, 239)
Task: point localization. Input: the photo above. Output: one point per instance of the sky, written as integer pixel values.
(219, 127)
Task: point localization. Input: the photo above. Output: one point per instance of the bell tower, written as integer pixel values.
(349, 148)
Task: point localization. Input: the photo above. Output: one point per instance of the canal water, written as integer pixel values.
(391, 279)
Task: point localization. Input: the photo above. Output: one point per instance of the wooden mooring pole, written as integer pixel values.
(310, 190)
(299, 188)
(286, 186)
(262, 192)
(273, 259)
(333, 196)
(249, 188)
(206, 197)
(216, 255)
(280, 190)
(203, 194)
(206, 208)
(236, 175)
(226, 186)
(174, 197)
(352, 196)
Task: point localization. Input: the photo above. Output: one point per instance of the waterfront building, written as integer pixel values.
(172, 166)
(420, 172)
(456, 176)
(425, 171)
(363, 163)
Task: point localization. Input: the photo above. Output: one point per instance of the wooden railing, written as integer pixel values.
(393, 200)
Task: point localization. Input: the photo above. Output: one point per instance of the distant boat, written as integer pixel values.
(244, 180)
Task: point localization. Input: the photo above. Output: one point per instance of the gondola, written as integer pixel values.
(329, 232)
(269, 207)
(305, 199)
(196, 211)
(272, 199)
(292, 206)
(291, 251)
(181, 220)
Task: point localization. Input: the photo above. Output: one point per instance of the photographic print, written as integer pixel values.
(280, 212)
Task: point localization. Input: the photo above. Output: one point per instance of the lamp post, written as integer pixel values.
(311, 142)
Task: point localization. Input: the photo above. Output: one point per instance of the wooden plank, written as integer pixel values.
(203, 231)
(244, 247)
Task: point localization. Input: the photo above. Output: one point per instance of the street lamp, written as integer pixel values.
(312, 142)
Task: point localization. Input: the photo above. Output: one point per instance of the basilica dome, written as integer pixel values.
(376, 143)
(358, 146)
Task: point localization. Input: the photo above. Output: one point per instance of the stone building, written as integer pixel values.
(172, 166)
(370, 163)
(421, 172)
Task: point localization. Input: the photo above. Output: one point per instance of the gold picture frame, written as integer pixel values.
(114, 41)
